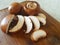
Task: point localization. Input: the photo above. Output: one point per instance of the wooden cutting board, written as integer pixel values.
(52, 28)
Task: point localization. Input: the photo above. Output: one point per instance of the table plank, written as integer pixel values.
(52, 28)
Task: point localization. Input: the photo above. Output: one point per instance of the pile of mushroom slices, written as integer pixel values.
(17, 18)
(12, 23)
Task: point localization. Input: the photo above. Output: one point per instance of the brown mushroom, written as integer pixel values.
(14, 8)
(5, 23)
(31, 7)
(12, 23)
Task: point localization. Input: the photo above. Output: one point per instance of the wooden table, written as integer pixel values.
(52, 28)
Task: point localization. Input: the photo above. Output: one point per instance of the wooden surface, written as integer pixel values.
(52, 28)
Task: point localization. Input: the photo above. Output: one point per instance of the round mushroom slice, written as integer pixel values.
(19, 24)
(42, 20)
(35, 22)
(28, 24)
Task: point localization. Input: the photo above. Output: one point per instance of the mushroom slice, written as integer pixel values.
(19, 25)
(6, 22)
(35, 22)
(42, 15)
(28, 24)
(38, 34)
(42, 20)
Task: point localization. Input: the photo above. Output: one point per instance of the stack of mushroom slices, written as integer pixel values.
(13, 23)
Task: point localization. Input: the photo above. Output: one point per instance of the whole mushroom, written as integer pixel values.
(14, 8)
(31, 7)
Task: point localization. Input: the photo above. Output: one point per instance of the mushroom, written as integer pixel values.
(31, 7)
(14, 8)
(6, 22)
(42, 20)
(19, 24)
(12, 23)
(38, 34)
(35, 22)
(42, 15)
(28, 23)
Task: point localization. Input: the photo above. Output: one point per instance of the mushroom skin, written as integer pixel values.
(30, 7)
(14, 8)
(5, 22)
(24, 8)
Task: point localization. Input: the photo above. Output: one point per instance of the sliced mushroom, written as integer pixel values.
(38, 34)
(42, 20)
(31, 5)
(14, 8)
(19, 24)
(35, 22)
(42, 15)
(28, 24)
(6, 22)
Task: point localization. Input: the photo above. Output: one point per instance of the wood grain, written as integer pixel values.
(52, 28)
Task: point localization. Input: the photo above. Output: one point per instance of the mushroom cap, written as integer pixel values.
(31, 7)
(14, 8)
(5, 23)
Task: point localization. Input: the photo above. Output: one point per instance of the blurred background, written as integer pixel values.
(50, 6)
